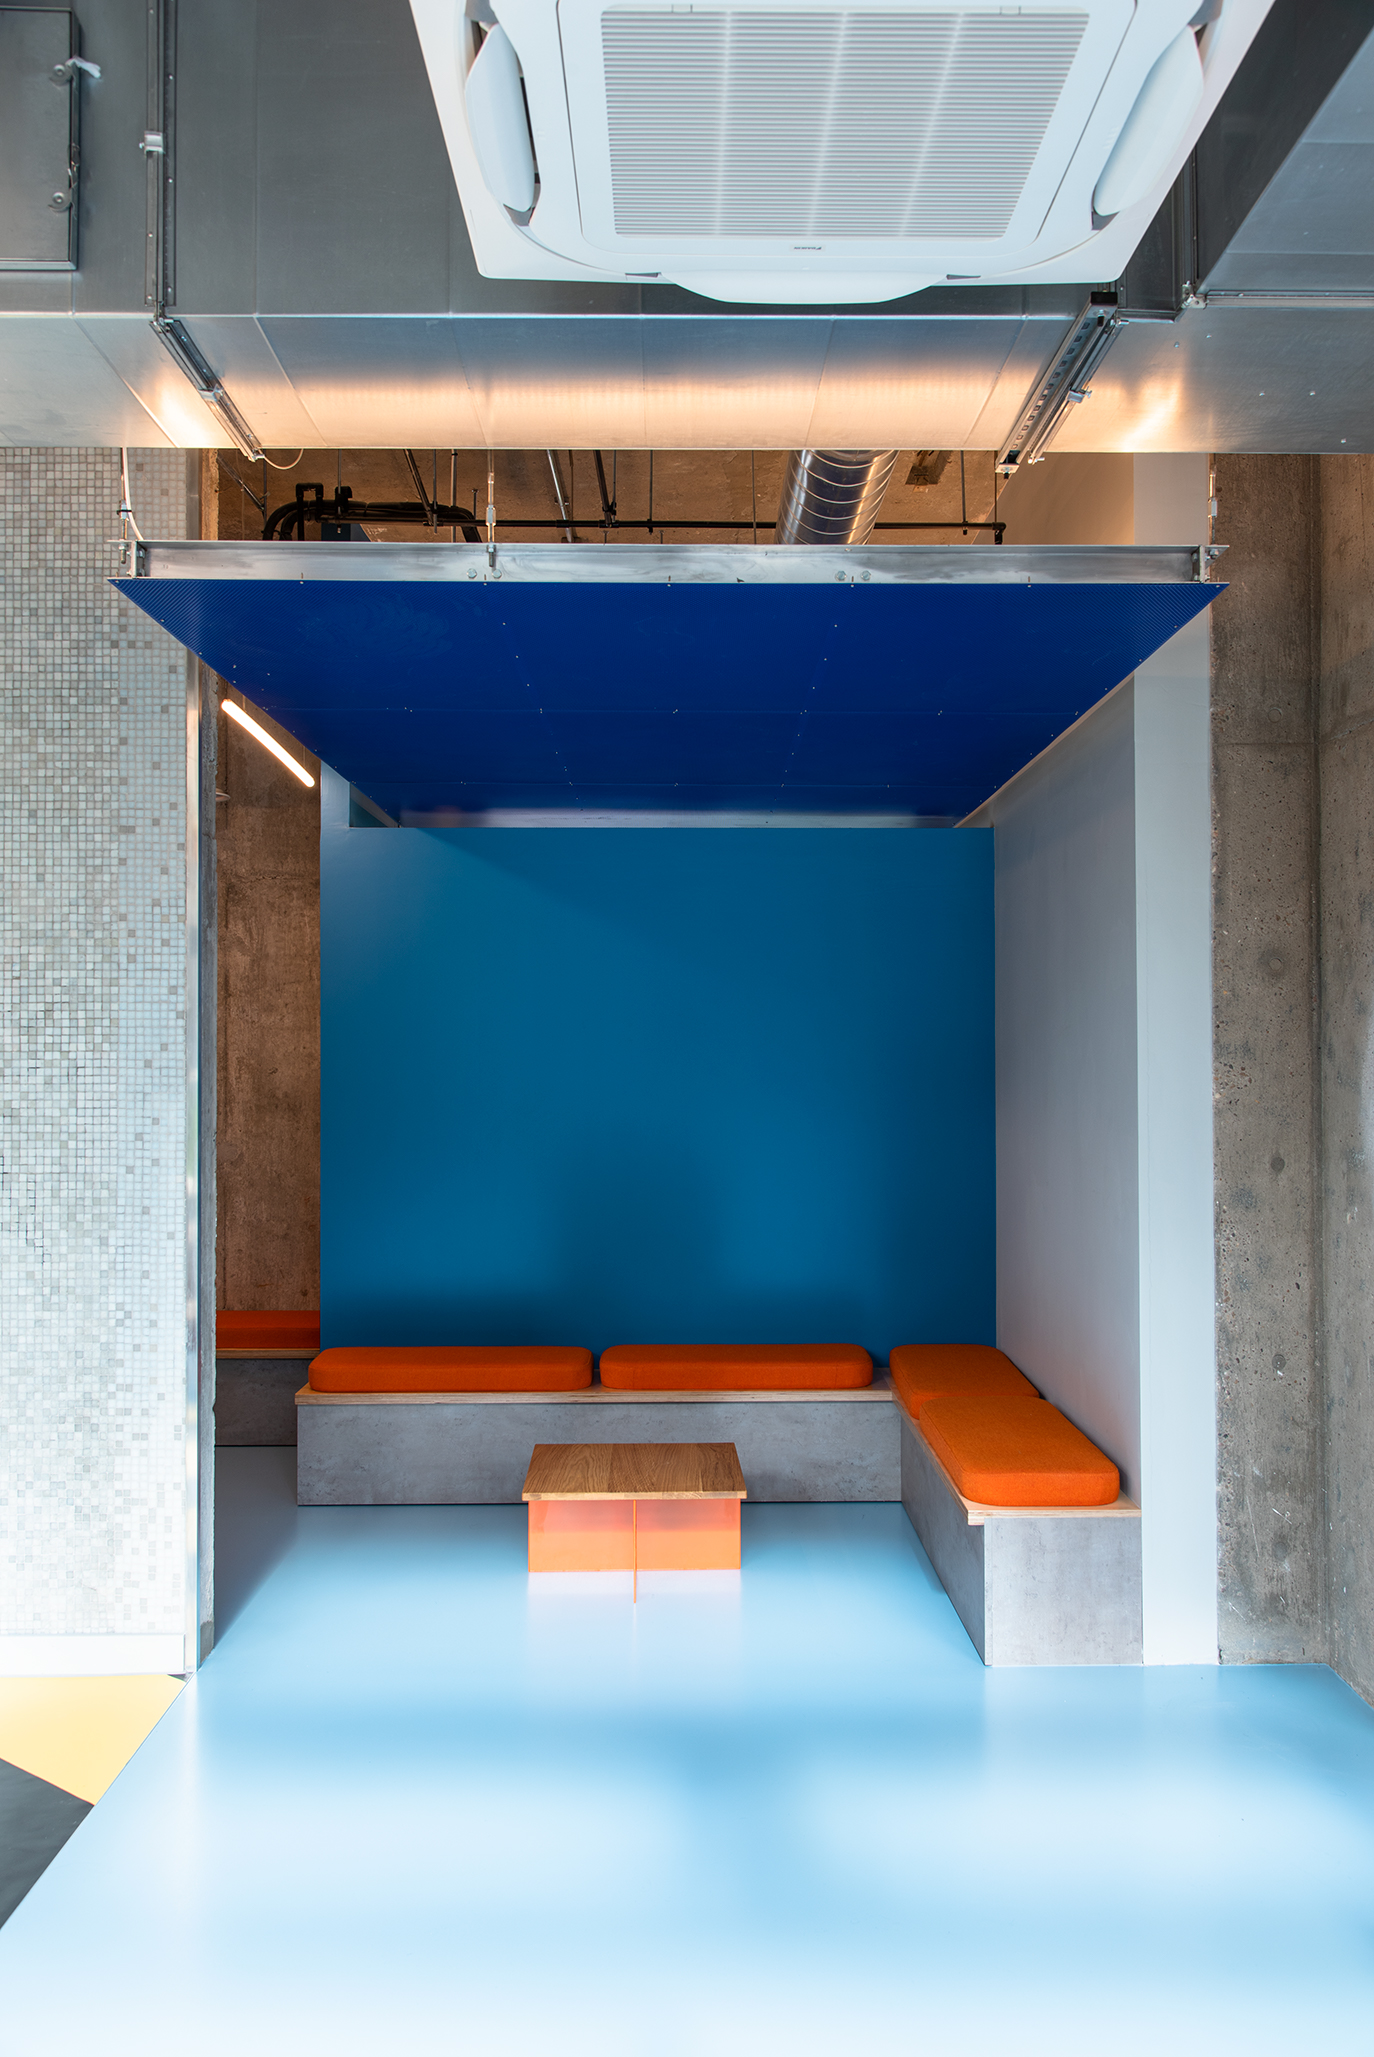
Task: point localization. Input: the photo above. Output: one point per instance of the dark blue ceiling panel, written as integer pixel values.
(583, 653)
(402, 748)
(838, 749)
(441, 695)
(744, 744)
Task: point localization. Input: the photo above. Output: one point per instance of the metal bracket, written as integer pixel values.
(1065, 384)
(1203, 558)
(158, 144)
(63, 74)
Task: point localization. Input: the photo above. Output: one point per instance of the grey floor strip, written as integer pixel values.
(35, 1821)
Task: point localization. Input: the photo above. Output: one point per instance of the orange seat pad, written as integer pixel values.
(921, 1370)
(735, 1367)
(276, 1328)
(1017, 1453)
(451, 1368)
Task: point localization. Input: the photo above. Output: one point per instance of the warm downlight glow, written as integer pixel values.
(246, 721)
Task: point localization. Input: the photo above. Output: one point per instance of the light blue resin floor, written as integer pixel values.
(414, 1805)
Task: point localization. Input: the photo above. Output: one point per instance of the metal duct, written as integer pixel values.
(833, 496)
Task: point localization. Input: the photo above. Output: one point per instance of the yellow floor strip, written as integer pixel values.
(79, 1733)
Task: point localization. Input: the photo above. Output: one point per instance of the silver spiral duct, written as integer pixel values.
(833, 496)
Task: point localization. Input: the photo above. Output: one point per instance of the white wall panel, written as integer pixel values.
(1104, 1081)
(1067, 1173)
(1174, 979)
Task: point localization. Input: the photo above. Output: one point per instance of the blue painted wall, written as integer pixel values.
(657, 1085)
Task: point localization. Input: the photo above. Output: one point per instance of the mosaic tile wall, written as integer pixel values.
(92, 1059)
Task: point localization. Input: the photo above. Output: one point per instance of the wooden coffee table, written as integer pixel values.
(623, 1506)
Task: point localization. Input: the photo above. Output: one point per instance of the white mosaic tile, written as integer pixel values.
(92, 1058)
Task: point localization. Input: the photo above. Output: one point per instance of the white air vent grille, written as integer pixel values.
(736, 122)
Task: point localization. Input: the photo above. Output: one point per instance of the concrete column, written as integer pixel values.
(1271, 1568)
(1346, 774)
(268, 985)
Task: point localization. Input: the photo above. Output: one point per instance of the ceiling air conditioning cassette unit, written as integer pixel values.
(804, 151)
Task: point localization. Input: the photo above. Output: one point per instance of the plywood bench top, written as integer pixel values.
(634, 1471)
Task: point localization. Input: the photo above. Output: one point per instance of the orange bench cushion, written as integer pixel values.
(277, 1328)
(921, 1370)
(1017, 1453)
(734, 1367)
(451, 1368)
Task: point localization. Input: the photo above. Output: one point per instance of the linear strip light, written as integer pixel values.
(173, 335)
(246, 721)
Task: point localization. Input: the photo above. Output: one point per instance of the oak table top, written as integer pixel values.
(634, 1471)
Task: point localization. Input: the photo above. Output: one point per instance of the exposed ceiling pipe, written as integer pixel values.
(558, 495)
(833, 496)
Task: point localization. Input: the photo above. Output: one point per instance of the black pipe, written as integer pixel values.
(607, 503)
(290, 519)
(427, 500)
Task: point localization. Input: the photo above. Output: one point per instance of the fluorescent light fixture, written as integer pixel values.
(254, 728)
(177, 340)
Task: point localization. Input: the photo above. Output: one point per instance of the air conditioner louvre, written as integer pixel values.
(739, 122)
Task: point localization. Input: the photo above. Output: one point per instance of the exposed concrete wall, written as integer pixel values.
(269, 1038)
(1271, 1568)
(267, 1243)
(1293, 712)
(1347, 1062)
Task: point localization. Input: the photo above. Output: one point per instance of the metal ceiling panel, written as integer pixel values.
(661, 382)
(147, 368)
(704, 371)
(40, 119)
(541, 383)
(57, 388)
(242, 356)
(1312, 228)
(383, 384)
(913, 681)
(353, 191)
(1234, 376)
(936, 385)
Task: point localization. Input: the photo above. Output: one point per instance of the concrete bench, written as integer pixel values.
(472, 1449)
(1032, 1585)
(259, 1356)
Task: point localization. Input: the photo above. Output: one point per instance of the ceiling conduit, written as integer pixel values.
(833, 496)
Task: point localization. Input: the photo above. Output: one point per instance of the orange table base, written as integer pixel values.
(634, 1535)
